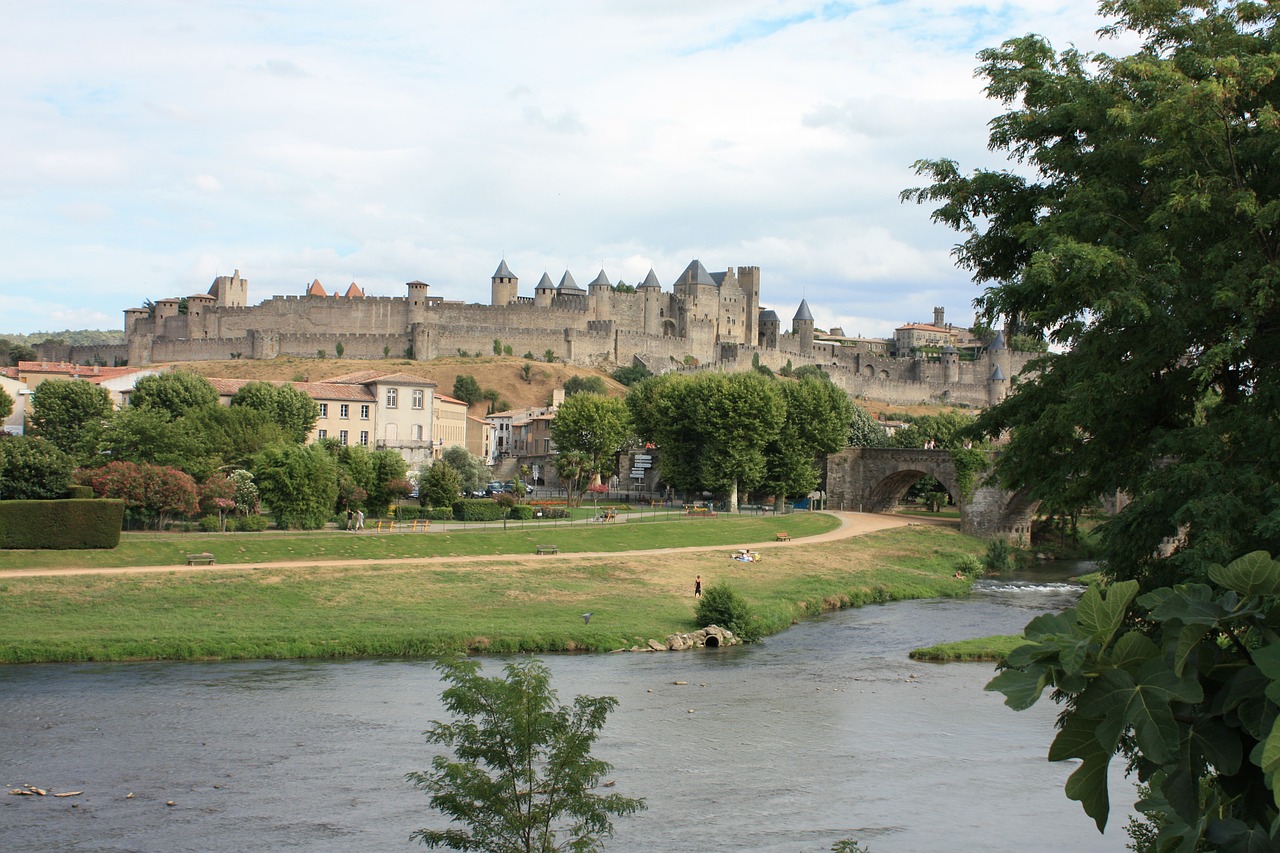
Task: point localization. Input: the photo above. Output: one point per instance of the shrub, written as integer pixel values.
(478, 509)
(721, 605)
(554, 512)
(970, 566)
(1000, 556)
(210, 524)
(521, 512)
(60, 524)
(440, 513)
(251, 523)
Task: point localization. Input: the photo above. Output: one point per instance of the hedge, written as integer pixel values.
(478, 509)
(75, 523)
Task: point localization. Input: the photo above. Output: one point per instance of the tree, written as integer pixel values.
(218, 495)
(439, 485)
(865, 431)
(156, 493)
(589, 384)
(713, 428)
(6, 404)
(70, 413)
(521, 775)
(816, 423)
(298, 485)
(631, 374)
(175, 392)
(233, 435)
(471, 470)
(388, 483)
(946, 430)
(1140, 240)
(596, 427)
(575, 473)
(467, 389)
(149, 435)
(33, 469)
(291, 409)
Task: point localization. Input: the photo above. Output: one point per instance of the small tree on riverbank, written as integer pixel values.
(522, 771)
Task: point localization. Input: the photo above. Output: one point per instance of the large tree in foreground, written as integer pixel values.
(1141, 235)
(521, 775)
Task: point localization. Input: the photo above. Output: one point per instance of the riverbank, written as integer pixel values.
(416, 607)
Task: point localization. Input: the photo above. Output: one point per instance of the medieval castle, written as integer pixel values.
(706, 320)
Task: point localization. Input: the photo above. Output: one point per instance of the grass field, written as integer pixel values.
(995, 648)
(516, 602)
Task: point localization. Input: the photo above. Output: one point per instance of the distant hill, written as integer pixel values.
(74, 337)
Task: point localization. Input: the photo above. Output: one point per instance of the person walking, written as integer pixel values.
(351, 519)
(359, 519)
(697, 587)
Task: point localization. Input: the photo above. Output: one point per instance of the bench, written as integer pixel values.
(205, 559)
(782, 536)
(548, 549)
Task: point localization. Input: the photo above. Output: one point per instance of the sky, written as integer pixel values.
(151, 146)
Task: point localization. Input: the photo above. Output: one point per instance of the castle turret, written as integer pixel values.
(543, 292)
(997, 387)
(749, 283)
(600, 290)
(998, 356)
(802, 328)
(950, 365)
(230, 291)
(417, 299)
(939, 317)
(505, 285)
(652, 292)
(770, 329)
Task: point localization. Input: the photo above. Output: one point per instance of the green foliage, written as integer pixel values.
(1186, 686)
(722, 605)
(497, 346)
(589, 384)
(175, 392)
(1001, 556)
(339, 349)
(815, 424)
(6, 404)
(60, 524)
(865, 431)
(526, 372)
(631, 374)
(521, 775)
(713, 428)
(970, 566)
(969, 463)
(467, 389)
(33, 469)
(298, 485)
(388, 482)
(289, 408)
(70, 413)
(148, 435)
(478, 509)
(947, 430)
(786, 369)
(810, 371)
(594, 426)
(230, 435)
(549, 356)
(439, 485)
(471, 470)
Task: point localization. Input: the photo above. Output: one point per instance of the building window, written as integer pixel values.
(417, 432)
(342, 437)
(364, 412)
(417, 399)
(322, 433)
(324, 410)
(344, 412)
(392, 395)
(364, 438)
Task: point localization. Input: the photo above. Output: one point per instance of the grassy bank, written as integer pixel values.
(171, 549)
(995, 649)
(499, 605)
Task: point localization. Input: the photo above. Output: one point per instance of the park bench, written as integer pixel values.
(205, 559)
(548, 549)
(782, 536)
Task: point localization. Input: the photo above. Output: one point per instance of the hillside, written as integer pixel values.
(501, 373)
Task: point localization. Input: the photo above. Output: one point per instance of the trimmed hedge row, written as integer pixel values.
(75, 523)
(478, 509)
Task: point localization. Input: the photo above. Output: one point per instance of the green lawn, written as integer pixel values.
(509, 604)
(147, 549)
(995, 648)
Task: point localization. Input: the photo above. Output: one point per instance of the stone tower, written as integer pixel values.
(505, 285)
(939, 317)
(543, 292)
(231, 291)
(599, 291)
(802, 327)
(652, 292)
(770, 329)
(749, 282)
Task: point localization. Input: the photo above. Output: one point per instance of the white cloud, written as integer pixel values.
(152, 147)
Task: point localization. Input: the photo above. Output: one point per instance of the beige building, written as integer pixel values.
(379, 411)
(449, 427)
(18, 392)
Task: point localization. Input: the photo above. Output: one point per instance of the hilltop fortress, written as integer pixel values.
(707, 320)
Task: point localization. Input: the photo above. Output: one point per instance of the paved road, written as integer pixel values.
(851, 524)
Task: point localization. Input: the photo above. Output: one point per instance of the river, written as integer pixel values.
(827, 731)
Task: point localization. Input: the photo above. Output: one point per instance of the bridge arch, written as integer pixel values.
(874, 479)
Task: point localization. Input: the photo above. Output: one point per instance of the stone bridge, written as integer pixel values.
(874, 479)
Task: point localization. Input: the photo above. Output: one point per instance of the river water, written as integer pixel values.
(827, 731)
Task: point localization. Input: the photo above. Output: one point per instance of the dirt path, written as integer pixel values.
(851, 524)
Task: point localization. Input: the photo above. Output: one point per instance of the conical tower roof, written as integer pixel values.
(602, 279)
(651, 280)
(803, 312)
(316, 289)
(503, 271)
(545, 283)
(997, 343)
(697, 273)
(567, 284)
